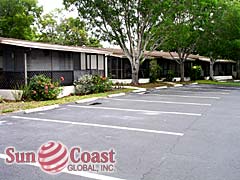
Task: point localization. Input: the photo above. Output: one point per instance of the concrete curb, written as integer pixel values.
(139, 90)
(44, 108)
(131, 87)
(141, 93)
(161, 87)
(116, 95)
(195, 83)
(86, 100)
(136, 89)
(178, 85)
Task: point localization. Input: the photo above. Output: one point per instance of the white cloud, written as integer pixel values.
(50, 5)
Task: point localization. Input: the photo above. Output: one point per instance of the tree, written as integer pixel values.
(155, 71)
(186, 27)
(47, 27)
(65, 31)
(134, 25)
(222, 36)
(17, 18)
(72, 31)
(230, 31)
(94, 42)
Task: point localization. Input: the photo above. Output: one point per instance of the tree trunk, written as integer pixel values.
(135, 71)
(211, 70)
(182, 71)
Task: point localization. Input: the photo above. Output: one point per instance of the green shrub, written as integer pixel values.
(155, 71)
(1, 99)
(84, 85)
(196, 72)
(170, 75)
(17, 95)
(26, 93)
(118, 85)
(41, 88)
(88, 84)
(26, 96)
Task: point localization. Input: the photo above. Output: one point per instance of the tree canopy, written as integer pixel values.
(54, 28)
(186, 27)
(133, 24)
(17, 18)
(208, 27)
(221, 37)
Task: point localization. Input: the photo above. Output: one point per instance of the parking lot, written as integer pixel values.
(182, 133)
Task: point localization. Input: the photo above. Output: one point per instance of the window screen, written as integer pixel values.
(93, 62)
(88, 61)
(100, 62)
(83, 61)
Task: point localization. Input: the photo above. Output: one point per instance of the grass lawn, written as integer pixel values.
(16, 106)
(219, 83)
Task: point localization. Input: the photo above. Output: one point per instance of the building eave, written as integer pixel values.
(47, 46)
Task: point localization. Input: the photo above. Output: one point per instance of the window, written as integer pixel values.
(88, 62)
(100, 62)
(93, 62)
(76, 61)
(38, 61)
(83, 61)
(1, 62)
(62, 61)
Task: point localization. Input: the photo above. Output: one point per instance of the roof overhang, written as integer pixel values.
(47, 46)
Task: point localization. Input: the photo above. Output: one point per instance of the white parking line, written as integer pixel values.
(76, 173)
(187, 91)
(212, 87)
(202, 88)
(99, 125)
(137, 110)
(1, 122)
(163, 102)
(182, 96)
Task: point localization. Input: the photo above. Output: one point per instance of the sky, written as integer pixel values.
(50, 5)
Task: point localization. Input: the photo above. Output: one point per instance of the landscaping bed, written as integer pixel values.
(7, 107)
(41, 91)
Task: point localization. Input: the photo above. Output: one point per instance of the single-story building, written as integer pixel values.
(20, 60)
(119, 66)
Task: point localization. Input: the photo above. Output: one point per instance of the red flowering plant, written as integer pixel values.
(42, 88)
(62, 79)
(101, 84)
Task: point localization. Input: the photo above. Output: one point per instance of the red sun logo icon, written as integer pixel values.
(53, 157)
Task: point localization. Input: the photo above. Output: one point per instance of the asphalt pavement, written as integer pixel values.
(182, 133)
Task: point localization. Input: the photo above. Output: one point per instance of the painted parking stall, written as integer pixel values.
(151, 129)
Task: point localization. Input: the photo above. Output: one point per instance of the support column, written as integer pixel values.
(25, 68)
(106, 65)
(238, 69)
